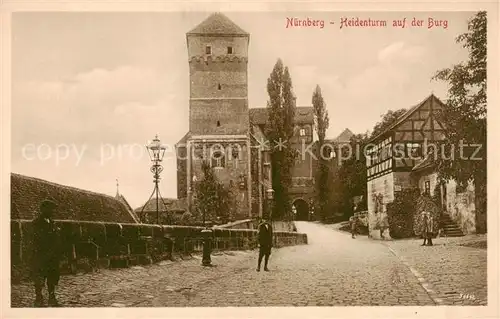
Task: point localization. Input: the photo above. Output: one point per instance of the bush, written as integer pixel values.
(187, 219)
(401, 212)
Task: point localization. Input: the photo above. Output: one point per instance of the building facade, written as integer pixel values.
(393, 155)
(223, 130)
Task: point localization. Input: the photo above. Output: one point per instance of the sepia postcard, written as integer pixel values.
(267, 159)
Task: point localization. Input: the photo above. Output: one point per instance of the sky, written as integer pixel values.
(89, 90)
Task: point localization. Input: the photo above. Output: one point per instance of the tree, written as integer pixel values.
(280, 130)
(350, 178)
(321, 122)
(387, 120)
(212, 198)
(465, 116)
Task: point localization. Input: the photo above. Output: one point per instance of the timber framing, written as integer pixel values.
(401, 146)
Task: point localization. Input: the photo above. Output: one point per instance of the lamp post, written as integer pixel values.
(156, 152)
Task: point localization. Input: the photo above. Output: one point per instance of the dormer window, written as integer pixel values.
(302, 132)
(229, 50)
(208, 50)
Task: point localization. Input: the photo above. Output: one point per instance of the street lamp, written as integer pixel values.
(156, 151)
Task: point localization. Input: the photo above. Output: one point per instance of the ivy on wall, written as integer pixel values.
(401, 212)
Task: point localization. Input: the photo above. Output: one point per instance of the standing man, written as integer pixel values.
(353, 221)
(46, 253)
(265, 237)
(430, 228)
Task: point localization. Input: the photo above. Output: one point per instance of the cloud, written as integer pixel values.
(99, 100)
(384, 85)
(108, 113)
(400, 52)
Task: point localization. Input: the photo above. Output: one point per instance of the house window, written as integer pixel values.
(218, 160)
(219, 87)
(302, 132)
(229, 50)
(208, 50)
(218, 123)
(414, 150)
(427, 187)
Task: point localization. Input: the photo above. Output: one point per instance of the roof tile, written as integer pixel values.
(217, 24)
(73, 203)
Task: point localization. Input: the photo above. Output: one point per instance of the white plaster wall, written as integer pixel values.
(382, 185)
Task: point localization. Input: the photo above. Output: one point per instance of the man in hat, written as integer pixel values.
(46, 253)
(265, 237)
(428, 226)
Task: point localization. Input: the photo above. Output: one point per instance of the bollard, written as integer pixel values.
(206, 259)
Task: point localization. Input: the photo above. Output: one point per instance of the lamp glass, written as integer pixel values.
(156, 150)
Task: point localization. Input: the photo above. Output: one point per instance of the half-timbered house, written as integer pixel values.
(392, 154)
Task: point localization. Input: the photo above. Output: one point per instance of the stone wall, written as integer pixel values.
(461, 206)
(218, 116)
(240, 224)
(197, 45)
(181, 171)
(91, 245)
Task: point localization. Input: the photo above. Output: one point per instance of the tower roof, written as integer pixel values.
(344, 137)
(217, 24)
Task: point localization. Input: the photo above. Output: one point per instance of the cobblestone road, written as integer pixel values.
(333, 270)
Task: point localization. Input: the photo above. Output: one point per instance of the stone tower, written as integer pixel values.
(218, 60)
(218, 111)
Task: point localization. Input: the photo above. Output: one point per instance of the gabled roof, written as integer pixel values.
(164, 205)
(427, 162)
(303, 115)
(183, 140)
(406, 115)
(122, 199)
(344, 137)
(218, 24)
(73, 203)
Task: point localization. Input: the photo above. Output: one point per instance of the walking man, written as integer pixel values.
(265, 237)
(46, 253)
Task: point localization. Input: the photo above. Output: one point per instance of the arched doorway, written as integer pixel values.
(301, 209)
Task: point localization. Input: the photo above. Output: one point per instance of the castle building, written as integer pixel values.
(223, 130)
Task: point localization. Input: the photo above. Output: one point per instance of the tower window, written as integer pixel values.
(229, 50)
(208, 49)
(219, 87)
(218, 160)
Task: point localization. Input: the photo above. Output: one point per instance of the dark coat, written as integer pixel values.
(46, 249)
(265, 235)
